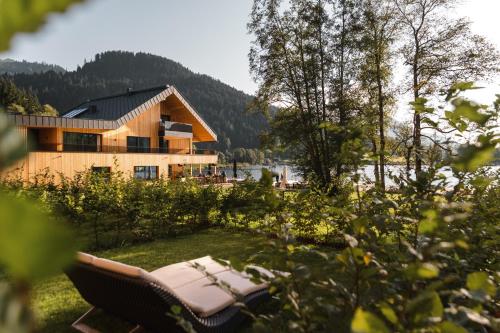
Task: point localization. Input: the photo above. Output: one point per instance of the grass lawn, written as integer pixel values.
(58, 304)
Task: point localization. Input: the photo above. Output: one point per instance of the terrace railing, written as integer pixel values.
(117, 149)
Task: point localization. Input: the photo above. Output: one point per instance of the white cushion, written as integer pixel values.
(209, 265)
(196, 290)
(239, 282)
(85, 258)
(177, 275)
(203, 297)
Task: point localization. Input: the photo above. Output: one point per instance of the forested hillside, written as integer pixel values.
(223, 107)
(9, 66)
(14, 99)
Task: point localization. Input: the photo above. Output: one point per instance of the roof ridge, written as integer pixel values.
(164, 86)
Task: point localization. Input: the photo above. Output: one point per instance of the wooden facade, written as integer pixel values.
(145, 125)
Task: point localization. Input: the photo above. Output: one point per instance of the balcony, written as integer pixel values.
(117, 149)
(175, 129)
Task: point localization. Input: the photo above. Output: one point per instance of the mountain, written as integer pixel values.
(222, 107)
(9, 66)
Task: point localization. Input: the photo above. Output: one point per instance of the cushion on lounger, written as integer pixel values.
(209, 264)
(204, 297)
(177, 275)
(84, 258)
(193, 287)
(239, 282)
(117, 267)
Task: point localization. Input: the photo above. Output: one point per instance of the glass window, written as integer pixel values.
(146, 172)
(137, 144)
(73, 141)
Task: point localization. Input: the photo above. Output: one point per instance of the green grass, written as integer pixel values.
(58, 304)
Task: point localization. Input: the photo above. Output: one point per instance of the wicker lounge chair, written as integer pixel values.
(145, 299)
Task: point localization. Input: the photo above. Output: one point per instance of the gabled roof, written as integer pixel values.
(112, 112)
(116, 106)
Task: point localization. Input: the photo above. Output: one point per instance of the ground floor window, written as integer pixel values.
(146, 172)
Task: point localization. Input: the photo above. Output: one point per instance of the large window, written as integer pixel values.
(137, 144)
(146, 172)
(73, 141)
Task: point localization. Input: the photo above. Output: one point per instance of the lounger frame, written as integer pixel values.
(146, 304)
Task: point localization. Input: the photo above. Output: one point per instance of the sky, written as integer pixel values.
(207, 36)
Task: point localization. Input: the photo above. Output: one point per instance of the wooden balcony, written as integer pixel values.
(175, 130)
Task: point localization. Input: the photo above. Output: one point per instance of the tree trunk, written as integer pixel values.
(381, 125)
(417, 139)
(376, 166)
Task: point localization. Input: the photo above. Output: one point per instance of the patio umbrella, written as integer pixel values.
(235, 169)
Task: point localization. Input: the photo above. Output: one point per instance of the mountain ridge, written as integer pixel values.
(11, 66)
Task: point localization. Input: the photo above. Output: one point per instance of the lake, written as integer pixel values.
(255, 171)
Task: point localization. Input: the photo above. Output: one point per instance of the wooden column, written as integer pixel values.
(59, 139)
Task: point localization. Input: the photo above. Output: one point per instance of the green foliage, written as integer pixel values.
(32, 245)
(12, 144)
(366, 322)
(26, 16)
(112, 210)
(423, 258)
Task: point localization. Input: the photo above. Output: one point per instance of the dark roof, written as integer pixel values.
(113, 107)
(109, 112)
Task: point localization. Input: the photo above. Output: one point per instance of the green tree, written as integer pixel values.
(302, 59)
(439, 51)
(379, 34)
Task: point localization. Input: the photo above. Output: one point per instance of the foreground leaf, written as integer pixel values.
(32, 246)
(367, 322)
(26, 16)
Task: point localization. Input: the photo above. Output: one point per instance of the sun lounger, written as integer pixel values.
(145, 299)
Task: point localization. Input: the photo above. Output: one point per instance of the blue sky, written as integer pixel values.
(207, 36)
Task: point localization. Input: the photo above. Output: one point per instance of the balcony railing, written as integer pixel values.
(117, 149)
(171, 126)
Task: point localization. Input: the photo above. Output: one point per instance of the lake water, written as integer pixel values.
(255, 171)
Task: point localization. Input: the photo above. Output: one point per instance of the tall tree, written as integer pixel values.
(302, 60)
(379, 33)
(439, 50)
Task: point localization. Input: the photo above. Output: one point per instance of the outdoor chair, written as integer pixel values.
(145, 299)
